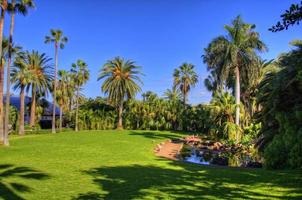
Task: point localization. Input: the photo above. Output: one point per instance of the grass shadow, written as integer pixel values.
(10, 190)
(173, 135)
(188, 181)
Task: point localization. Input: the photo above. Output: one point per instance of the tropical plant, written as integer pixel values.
(279, 96)
(80, 75)
(222, 115)
(121, 81)
(21, 77)
(172, 94)
(56, 37)
(184, 79)
(233, 56)
(292, 16)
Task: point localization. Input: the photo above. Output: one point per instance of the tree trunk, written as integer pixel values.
(7, 103)
(77, 110)
(33, 108)
(120, 116)
(1, 102)
(54, 91)
(1, 78)
(61, 118)
(22, 107)
(237, 96)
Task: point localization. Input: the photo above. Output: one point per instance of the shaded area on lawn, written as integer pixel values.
(160, 135)
(187, 181)
(8, 189)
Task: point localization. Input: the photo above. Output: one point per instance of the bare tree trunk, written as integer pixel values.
(54, 91)
(7, 106)
(1, 103)
(120, 116)
(22, 107)
(2, 77)
(77, 111)
(237, 96)
(61, 118)
(33, 108)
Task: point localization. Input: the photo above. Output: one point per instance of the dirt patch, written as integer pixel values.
(169, 149)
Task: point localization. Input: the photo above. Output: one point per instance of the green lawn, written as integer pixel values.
(121, 165)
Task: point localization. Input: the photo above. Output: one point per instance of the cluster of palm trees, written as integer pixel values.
(13, 7)
(33, 72)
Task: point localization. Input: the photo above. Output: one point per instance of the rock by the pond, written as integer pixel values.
(220, 161)
(254, 164)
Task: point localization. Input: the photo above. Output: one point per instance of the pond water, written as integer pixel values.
(235, 159)
(194, 158)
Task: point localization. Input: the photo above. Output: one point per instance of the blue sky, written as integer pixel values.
(158, 34)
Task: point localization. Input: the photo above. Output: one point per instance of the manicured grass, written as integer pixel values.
(121, 165)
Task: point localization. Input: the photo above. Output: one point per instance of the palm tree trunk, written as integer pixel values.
(33, 107)
(120, 116)
(54, 91)
(21, 122)
(1, 102)
(77, 110)
(237, 96)
(61, 118)
(2, 77)
(7, 105)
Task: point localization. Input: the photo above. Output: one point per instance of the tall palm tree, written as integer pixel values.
(122, 78)
(3, 7)
(56, 37)
(184, 78)
(80, 75)
(62, 93)
(233, 55)
(21, 7)
(21, 76)
(41, 69)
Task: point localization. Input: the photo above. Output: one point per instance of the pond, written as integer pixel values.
(211, 153)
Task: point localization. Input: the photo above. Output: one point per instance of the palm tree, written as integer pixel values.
(222, 113)
(233, 55)
(80, 75)
(184, 78)
(3, 7)
(39, 66)
(20, 6)
(56, 37)
(121, 82)
(62, 93)
(21, 76)
(172, 94)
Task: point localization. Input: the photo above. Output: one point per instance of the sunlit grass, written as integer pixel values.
(121, 165)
